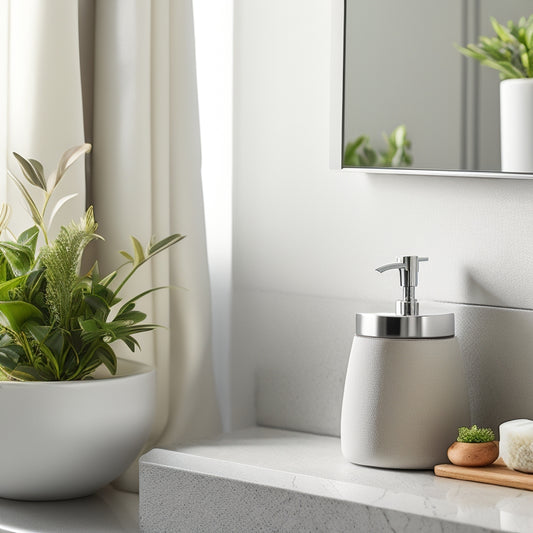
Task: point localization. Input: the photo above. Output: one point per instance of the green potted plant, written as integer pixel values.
(474, 447)
(74, 416)
(510, 52)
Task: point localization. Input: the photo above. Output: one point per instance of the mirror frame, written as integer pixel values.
(337, 63)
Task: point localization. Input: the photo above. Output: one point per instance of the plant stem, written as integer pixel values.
(23, 341)
(125, 280)
(45, 204)
(45, 234)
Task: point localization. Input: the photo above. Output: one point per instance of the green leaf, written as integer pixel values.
(9, 356)
(13, 315)
(4, 270)
(56, 342)
(525, 61)
(94, 272)
(38, 332)
(34, 212)
(127, 255)
(165, 243)
(131, 343)
(492, 48)
(7, 286)
(32, 170)
(59, 204)
(52, 348)
(37, 165)
(351, 158)
(529, 61)
(89, 325)
(126, 308)
(105, 293)
(521, 33)
(138, 251)
(34, 283)
(26, 373)
(107, 356)
(131, 329)
(108, 279)
(472, 51)
(400, 135)
(503, 33)
(97, 305)
(50, 360)
(506, 69)
(19, 257)
(67, 159)
(5, 340)
(362, 139)
(528, 39)
(132, 317)
(370, 157)
(397, 158)
(29, 238)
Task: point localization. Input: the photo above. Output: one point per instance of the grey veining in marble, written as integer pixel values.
(273, 480)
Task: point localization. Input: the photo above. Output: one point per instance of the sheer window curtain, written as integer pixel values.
(146, 180)
(141, 115)
(40, 96)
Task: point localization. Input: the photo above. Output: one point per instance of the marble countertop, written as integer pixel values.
(293, 462)
(313, 465)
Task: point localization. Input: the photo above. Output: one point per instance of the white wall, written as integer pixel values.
(307, 239)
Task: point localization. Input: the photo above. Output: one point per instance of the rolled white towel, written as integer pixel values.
(516, 444)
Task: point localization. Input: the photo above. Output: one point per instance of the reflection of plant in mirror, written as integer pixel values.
(510, 52)
(360, 154)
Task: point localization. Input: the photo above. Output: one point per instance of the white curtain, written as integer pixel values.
(40, 96)
(146, 181)
(143, 120)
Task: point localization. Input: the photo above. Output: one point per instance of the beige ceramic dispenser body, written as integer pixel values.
(405, 392)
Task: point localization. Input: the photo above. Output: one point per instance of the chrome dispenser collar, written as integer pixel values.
(408, 267)
(405, 327)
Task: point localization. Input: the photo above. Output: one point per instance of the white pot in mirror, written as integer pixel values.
(516, 109)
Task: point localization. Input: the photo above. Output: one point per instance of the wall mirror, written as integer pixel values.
(401, 69)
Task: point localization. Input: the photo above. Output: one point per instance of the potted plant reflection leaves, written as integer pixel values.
(359, 153)
(510, 52)
(58, 324)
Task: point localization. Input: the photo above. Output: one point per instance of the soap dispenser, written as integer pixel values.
(405, 392)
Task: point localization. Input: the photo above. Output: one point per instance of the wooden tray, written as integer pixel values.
(495, 474)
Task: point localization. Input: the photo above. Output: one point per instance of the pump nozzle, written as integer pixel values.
(408, 267)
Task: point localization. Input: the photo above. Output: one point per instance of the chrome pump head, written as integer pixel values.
(408, 267)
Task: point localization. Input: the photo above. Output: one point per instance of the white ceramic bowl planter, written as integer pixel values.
(68, 439)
